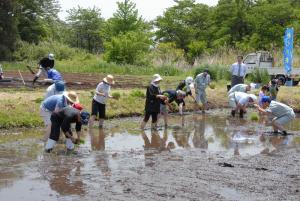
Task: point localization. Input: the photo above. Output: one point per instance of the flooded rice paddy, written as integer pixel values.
(198, 157)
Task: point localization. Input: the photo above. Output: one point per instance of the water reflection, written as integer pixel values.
(199, 140)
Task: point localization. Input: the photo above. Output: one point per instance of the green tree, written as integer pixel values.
(127, 48)
(8, 29)
(125, 19)
(85, 28)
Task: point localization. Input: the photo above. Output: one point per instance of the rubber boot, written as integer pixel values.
(241, 113)
(49, 145)
(69, 144)
(233, 113)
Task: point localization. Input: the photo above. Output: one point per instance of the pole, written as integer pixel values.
(22, 77)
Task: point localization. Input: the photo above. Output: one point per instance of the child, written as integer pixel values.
(262, 93)
(100, 98)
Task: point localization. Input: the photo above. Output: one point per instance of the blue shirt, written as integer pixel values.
(55, 101)
(54, 74)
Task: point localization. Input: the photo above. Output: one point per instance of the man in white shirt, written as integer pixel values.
(238, 72)
(240, 88)
(239, 101)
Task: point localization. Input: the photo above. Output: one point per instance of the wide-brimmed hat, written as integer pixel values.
(156, 78)
(109, 79)
(71, 96)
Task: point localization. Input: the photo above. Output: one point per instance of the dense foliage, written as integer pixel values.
(186, 30)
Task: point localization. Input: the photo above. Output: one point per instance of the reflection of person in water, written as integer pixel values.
(65, 181)
(181, 138)
(156, 141)
(98, 144)
(273, 143)
(199, 140)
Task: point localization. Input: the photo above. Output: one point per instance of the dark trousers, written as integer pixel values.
(236, 80)
(56, 123)
(153, 116)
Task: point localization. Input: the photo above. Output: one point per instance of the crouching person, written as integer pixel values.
(63, 120)
(171, 95)
(239, 101)
(283, 113)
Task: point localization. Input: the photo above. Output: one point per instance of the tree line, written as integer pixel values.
(187, 28)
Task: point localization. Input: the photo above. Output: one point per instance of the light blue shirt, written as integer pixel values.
(55, 101)
(202, 82)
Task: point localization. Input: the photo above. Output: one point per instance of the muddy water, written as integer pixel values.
(121, 162)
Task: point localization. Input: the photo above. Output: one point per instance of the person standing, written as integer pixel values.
(282, 113)
(100, 99)
(238, 72)
(201, 81)
(152, 104)
(43, 65)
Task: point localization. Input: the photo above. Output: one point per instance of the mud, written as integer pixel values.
(199, 157)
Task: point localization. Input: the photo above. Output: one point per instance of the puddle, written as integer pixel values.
(27, 173)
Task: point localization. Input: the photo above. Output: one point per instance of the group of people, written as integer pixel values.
(239, 98)
(159, 102)
(62, 108)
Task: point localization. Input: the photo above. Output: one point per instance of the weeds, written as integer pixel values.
(259, 76)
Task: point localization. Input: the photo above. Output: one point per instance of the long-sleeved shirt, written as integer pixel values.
(46, 63)
(152, 102)
(201, 81)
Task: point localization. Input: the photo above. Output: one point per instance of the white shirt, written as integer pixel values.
(242, 98)
(238, 88)
(102, 88)
(235, 69)
(52, 91)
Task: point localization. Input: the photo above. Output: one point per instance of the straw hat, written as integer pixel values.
(109, 79)
(71, 96)
(156, 78)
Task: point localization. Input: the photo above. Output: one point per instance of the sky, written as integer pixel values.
(149, 9)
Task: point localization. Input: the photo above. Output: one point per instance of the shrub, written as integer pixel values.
(259, 76)
(216, 72)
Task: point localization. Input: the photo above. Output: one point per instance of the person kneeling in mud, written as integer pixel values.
(171, 95)
(238, 101)
(63, 120)
(283, 113)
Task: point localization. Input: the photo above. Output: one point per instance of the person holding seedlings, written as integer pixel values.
(186, 86)
(240, 88)
(171, 95)
(57, 88)
(55, 103)
(238, 101)
(152, 104)
(238, 71)
(201, 81)
(100, 99)
(62, 120)
(282, 113)
(43, 65)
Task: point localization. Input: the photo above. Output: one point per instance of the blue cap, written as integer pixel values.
(85, 116)
(266, 99)
(59, 86)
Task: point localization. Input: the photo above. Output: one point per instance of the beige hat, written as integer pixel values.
(109, 79)
(156, 78)
(71, 96)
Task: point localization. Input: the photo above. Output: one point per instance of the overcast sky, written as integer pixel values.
(149, 9)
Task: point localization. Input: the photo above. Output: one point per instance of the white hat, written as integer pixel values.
(71, 96)
(51, 56)
(253, 97)
(189, 80)
(156, 78)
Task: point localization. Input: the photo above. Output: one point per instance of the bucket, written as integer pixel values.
(289, 83)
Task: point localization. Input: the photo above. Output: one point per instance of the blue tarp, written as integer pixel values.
(288, 50)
